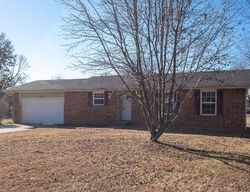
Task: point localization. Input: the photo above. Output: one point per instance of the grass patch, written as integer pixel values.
(121, 160)
(6, 122)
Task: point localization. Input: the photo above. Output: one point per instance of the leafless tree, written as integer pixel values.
(243, 59)
(246, 13)
(12, 66)
(156, 47)
(242, 44)
(56, 77)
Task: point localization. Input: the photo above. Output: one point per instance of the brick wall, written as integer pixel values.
(137, 116)
(233, 116)
(2, 107)
(78, 111)
(16, 108)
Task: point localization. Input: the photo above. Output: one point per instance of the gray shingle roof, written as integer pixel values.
(99, 82)
(237, 78)
(233, 78)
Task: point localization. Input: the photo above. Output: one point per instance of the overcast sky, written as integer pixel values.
(34, 27)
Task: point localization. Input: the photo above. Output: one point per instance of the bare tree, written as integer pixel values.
(246, 12)
(156, 47)
(241, 53)
(56, 77)
(243, 59)
(12, 66)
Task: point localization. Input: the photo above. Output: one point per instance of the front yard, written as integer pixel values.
(121, 160)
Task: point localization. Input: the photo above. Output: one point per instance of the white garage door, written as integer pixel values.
(43, 110)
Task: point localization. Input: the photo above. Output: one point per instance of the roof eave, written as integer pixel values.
(60, 90)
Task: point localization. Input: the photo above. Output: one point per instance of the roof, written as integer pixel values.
(234, 79)
(92, 83)
(231, 79)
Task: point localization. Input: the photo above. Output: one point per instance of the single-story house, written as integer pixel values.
(94, 101)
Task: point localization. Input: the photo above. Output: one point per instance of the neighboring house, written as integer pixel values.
(98, 100)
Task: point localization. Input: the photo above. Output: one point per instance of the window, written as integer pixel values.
(98, 98)
(208, 102)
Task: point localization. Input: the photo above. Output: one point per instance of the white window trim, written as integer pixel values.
(93, 98)
(202, 91)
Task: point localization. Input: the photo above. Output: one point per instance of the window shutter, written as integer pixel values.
(90, 98)
(197, 102)
(106, 97)
(219, 102)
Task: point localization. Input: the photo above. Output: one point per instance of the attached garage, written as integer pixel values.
(45, 108)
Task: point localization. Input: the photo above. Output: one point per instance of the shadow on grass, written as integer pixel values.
(212, 132)
(129, 126)
(199, 131)
(226, 158)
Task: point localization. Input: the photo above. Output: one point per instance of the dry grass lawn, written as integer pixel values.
(121, 160)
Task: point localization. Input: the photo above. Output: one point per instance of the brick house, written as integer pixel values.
(218, 104)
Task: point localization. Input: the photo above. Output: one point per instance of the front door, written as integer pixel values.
(126, 109)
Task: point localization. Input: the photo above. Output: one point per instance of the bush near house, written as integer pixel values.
(6, 122)
(6, 102)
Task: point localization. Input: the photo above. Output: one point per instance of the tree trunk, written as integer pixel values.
(156, 134)
(153, 138)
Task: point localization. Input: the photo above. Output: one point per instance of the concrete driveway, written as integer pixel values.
(14, 128)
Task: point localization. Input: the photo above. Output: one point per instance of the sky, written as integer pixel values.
(34, 27)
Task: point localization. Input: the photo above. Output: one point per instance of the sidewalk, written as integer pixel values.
(14, 128)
